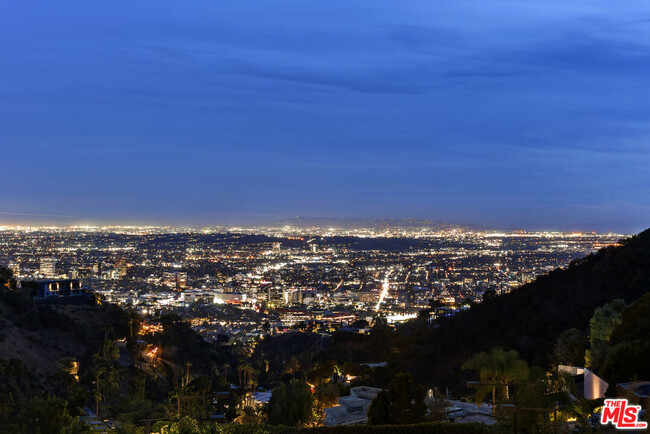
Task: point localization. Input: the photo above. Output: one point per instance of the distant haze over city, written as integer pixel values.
(305, 224)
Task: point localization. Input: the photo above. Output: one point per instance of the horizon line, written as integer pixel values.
(227, 227)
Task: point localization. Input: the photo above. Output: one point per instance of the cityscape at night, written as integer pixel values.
(232, 281)
(310, 217)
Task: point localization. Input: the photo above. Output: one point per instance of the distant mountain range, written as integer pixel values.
(369, 223)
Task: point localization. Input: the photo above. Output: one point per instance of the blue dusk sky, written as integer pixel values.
(514, 114)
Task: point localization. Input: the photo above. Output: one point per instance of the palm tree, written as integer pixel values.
(107, 330)
(187, 373)
(247, 375)
(497, 370)
(105, 372)
(68, 369)
(226, 366)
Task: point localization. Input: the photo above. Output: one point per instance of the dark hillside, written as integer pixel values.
(40, 336)
(530, 318)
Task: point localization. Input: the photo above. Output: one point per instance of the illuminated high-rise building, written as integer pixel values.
(175, 279)
(121, 268)
(48, 266)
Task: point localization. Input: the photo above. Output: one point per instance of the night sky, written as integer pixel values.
(532, 114)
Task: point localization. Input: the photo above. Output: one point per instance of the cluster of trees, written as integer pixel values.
(301, 355)
(25, 408)
(498, 370)
(615, 346)
(299, 399)
(536, 398)
(291, 404)
(619, 341)
(402, 403)
(601, 326)
(570, 348)
(32, 404)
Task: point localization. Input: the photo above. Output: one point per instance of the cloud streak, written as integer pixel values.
(29, 214)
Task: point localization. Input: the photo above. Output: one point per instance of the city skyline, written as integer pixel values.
(315, 229)
(501, 114)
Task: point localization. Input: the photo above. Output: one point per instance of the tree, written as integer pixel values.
(186, 379)
(380, 325)
(628, 356)
(360, 324)
(531, 395)
(7, 278)
(67, 372)
(249, 415)
(626, 361)
(351, 368)
(437, 405)
(537, 399)
(490, 294)
(134, 320)
(323, 372)
(291, 404)
(497, 370)
(137, 384)
(635, 322)
(226, 367)
(186, 401)
(570, 348)
(402, 403)
(48, 415)
(105, 373)
(247, 375)
(186, 425)
(601, 325)
(292, 365)
(326, 394)
(381, 331)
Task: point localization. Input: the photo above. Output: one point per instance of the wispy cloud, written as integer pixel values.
(29, 214)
